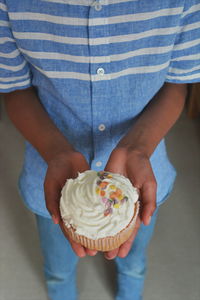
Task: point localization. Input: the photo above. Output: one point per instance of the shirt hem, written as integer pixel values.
(197, 80)
(166, 196)
(31, 208)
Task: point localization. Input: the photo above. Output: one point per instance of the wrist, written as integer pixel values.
(59, 153)
(134, 148)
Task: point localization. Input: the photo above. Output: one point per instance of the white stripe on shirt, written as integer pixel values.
(192, 9)
(94, 41)
(94, 21)
(96, 77)
(184, 78)
(192, 26)
(89, 2)
(3, 7)
(10, 79)
(182, 71)
(12, 54)
(17, 84)
(97, 59)
(4, 24)
(13, 68)
(187, 57)
(3, 40)
(187, 44)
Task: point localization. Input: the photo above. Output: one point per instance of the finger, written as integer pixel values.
(111, 254)
(125, 247)
(116, 162)
(77, 248)
(52, 198)
(81, 169)
(90, 252)
(148, 201)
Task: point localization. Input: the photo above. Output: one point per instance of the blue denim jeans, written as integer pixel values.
(60, 263)
(131, 270)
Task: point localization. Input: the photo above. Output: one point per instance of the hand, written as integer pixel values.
(136, 166)
(124, 249)
(60, 168)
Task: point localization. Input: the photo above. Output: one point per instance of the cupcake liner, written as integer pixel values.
(107, 243)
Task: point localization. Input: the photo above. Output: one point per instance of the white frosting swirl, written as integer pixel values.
(82, 207)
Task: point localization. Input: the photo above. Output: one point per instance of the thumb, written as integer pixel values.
(52, 192)
(116, 161)
(148, 201)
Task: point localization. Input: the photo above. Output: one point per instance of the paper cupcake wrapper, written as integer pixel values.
(107, 243)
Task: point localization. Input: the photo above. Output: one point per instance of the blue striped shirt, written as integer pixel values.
(96, 65)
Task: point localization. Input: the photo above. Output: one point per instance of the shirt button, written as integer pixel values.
(102, 127)
(97, 6)
(100, 71)
(98, 163)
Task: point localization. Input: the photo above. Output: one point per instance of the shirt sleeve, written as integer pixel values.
(14, 70)
(185, 60)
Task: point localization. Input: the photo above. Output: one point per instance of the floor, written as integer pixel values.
(174, 260)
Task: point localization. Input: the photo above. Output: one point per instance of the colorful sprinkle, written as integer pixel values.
(126, 198)
(112, 187)
(115, 201)
(107, 212)
(118, 192)
(104, 200)
(105, 173)
(113, 195)
(100, 173)
(97, 190)
(114, 198)
(108, 204)
(102, 193)
(103, 184)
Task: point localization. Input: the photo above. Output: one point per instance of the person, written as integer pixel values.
(96, 85)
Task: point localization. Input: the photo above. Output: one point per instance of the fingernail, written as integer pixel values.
(54, 219)
(82, 255)
(149, 220)
(108, 257)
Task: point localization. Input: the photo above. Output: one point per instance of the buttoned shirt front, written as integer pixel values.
(95, 66)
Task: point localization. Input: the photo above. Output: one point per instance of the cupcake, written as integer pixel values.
(99, 209)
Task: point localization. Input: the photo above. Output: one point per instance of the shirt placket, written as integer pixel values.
(100, 76)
